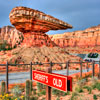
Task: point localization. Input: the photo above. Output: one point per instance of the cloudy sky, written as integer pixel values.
(81, 14)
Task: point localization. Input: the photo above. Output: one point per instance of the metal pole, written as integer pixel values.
(93, 69)
(81, 69)
(7, 77)
(67, 66)
(31, 71)
(48, 88)
(99, 69)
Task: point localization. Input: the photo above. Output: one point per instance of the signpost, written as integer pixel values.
(53, 80)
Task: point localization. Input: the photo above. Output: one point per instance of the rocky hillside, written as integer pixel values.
(89, 37)
(12, 36)
(44, 54)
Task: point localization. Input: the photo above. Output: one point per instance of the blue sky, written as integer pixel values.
(81, 14)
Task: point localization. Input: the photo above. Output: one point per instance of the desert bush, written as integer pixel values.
(81, 83)
(58, 92)
(94, 97)
(79, 89)
(33, 98)
(58, 98)
(43, 99)
(94, 80)
(39, 87)
(5, 46)
(73, 97)
(16, 91)
(96, 86)
(43, 92)
(88, 88)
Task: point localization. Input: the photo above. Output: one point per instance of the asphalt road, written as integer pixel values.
(21, 77)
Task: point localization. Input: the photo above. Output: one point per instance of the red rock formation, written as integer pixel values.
(11, 35)
(36, 39)
(87, 38)
(34, 24)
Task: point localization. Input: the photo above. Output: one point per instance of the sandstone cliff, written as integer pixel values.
(11, 35)
(89, 37)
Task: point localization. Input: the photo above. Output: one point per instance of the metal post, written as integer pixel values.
(81, 69)
(48, 88)
(99, 69)
(67, 66)
(31, 71)
(93, 69)
(7, 77)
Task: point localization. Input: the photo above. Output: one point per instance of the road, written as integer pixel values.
(21, 77)
(85, 56)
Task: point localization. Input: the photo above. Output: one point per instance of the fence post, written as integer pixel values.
(7, 77)
(67, 66)
(87, 67)
(80, 69)
(93, 69)
(48, 88)
(99, 69)
(31, 71)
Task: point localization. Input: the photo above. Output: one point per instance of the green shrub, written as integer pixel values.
(34, 91)
(39, 87)
(81, 82)
(94, 97)
(58, 98)
(88, 88)
(78, 89)
(33, 98)
(96, 86)
(73, 97)
(43, 99)
(5, 46)
(43, 92)
(94, 80)
(58, 92)
(16, 91)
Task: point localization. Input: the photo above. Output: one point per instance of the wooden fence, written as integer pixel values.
(51, 65)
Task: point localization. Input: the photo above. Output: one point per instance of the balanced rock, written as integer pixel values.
(34, 24)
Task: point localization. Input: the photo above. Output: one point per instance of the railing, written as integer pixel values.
(51, 65)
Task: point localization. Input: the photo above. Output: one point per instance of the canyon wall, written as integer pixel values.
(89, 37)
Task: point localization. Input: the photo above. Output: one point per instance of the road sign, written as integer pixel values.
(51, 79)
